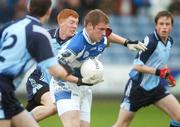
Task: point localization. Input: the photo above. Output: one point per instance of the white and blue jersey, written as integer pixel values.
(156, 56)
(68, 96)
(23, 42)
(80, 48)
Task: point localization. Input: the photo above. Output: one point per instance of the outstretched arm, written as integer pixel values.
(116, 39)
(131, 45)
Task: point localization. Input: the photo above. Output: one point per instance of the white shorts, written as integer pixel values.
(68, 96)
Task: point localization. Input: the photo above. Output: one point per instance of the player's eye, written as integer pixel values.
(102, 29)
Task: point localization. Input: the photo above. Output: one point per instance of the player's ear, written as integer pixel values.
(89, 26)
(49, 11)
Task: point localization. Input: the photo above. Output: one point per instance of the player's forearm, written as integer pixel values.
(72, 79)
(114, 38)
(145, 69)
(58, 71)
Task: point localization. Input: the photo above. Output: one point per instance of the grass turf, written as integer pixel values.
(105, 112)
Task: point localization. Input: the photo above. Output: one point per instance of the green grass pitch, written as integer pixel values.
(105, 112)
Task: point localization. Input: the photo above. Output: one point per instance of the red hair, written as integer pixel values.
(65, 13)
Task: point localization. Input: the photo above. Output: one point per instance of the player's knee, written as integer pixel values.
(73, 123)
(76, 124)
(118, 125)
(122, 123)
(177, 117)
(52, 109)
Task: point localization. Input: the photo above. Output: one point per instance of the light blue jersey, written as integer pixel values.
(156, 56)
(21, 44)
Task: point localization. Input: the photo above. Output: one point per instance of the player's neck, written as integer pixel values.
(62, 35)
(164, 40)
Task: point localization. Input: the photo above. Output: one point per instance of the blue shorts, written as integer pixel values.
(35, 89)
(136, 97)
(9, 104)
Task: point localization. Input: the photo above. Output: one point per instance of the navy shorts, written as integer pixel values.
(136, 97)
(9, 104)
(35, 89)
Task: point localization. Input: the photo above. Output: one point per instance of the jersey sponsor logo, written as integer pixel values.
(35, 86)
(100, 48)
(94, 48)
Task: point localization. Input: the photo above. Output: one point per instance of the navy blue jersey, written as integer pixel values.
(56, 42)
(22, 43)
(155, 56)
(80, 48)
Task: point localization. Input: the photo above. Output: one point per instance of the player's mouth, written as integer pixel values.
(72, 32)
(164, 32)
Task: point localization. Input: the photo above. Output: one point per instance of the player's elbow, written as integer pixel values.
(137, 67)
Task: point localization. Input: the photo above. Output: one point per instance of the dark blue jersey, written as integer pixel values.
(56, 42)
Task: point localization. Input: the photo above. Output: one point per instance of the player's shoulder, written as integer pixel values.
(53, 32)
(3, 27)
(78, 39)
(79, 36)
(35, 29)
(76, 43)
(104, 40)
(151, 39)
(171, 40)
(38, 33)
(6, 25)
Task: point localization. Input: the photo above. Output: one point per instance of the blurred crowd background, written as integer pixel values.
(132, 19)
(12, 9)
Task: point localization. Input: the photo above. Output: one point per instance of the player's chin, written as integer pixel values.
(98, 39)
(71, 34)
(73, 31)
(164, 33)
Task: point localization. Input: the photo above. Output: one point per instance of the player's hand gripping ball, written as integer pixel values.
(92, 69)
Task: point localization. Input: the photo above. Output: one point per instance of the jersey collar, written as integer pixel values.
(58, 39)
(158, 38)
(33, 18)
(86, 36)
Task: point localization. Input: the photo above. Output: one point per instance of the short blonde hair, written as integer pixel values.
(95, 16)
